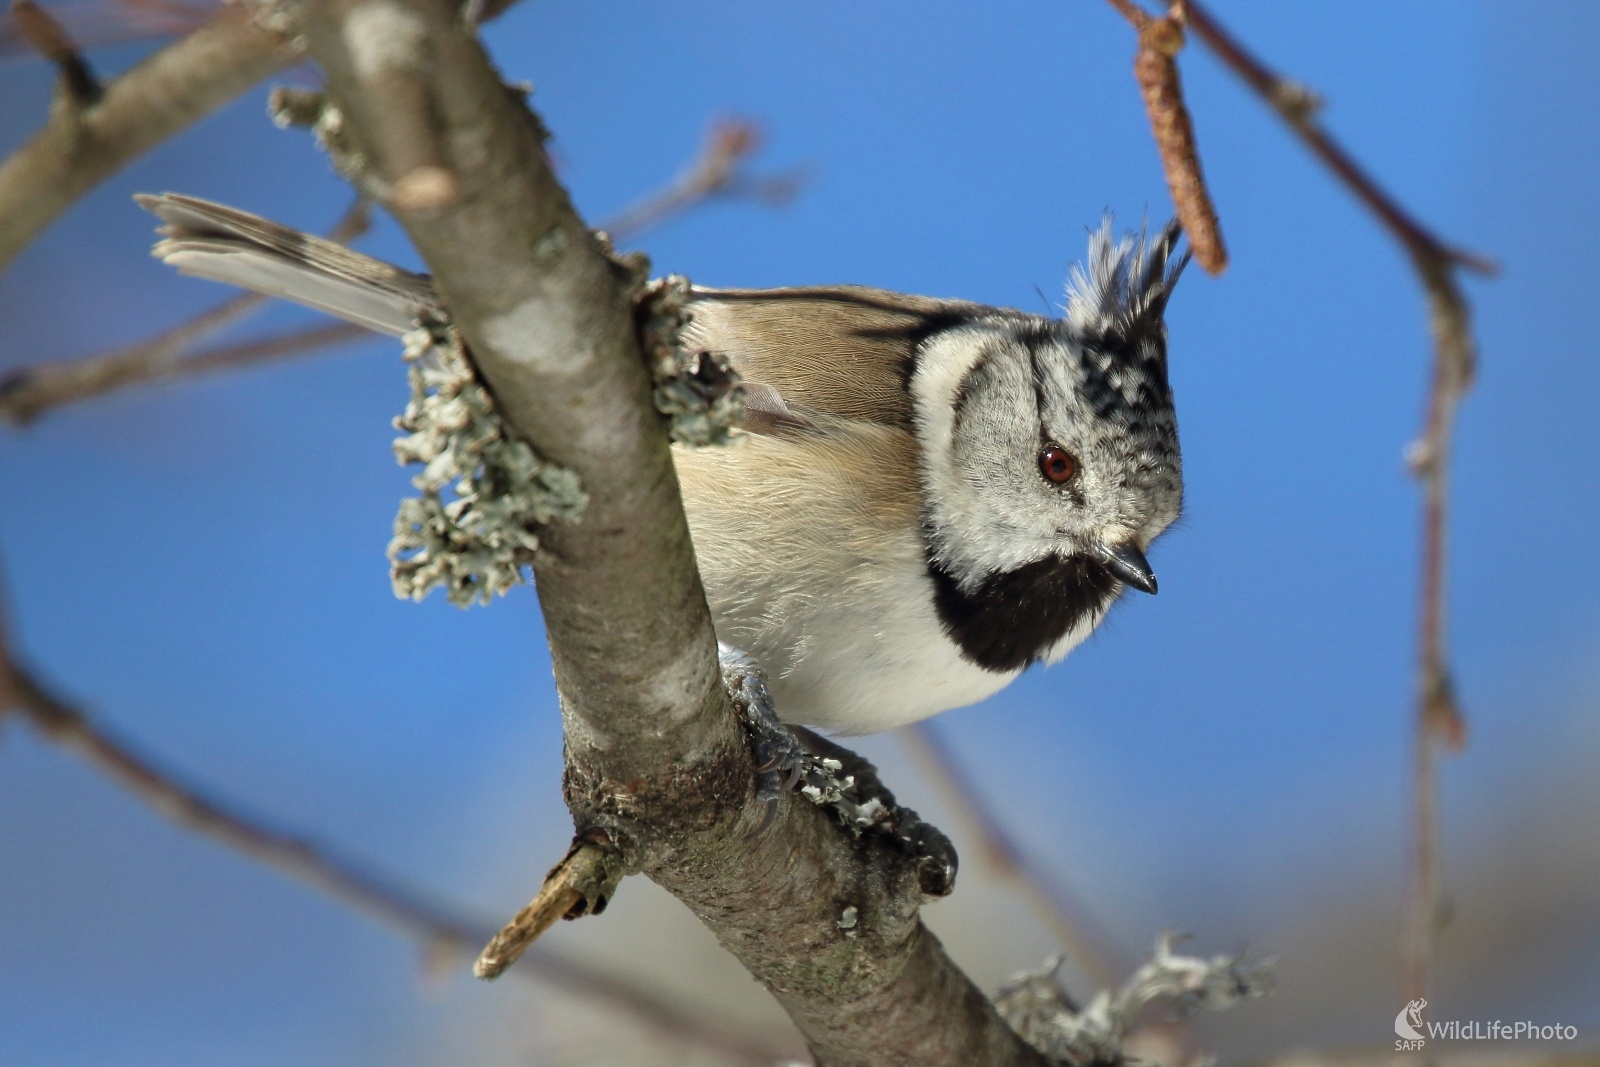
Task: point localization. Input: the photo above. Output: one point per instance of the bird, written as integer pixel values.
(928, 495)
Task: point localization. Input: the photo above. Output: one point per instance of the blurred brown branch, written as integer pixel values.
(81, 146)
(223, 55)
(28, 392)
(440, 930)
(79, 88)
(717, 172)
(1084, 941)
(98, 23)
(1439, 719)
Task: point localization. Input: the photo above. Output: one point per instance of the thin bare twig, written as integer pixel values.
(1136, 16)
(98, 23)
(22, 398)
(28, 392)
(1299, 107)
(441, 930)
(10, 687)
(717, 173)
(1439, 719)
(581, 884)
(79, 87)
(312, 339)
(554, 901)
(168, 91)
(1084, 941)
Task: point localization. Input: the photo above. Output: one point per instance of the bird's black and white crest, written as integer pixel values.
(1023, 566)
(1121, 300)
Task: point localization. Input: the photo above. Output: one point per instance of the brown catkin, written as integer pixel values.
(1156, 69)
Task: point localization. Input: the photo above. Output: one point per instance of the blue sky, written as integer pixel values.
(202, 563)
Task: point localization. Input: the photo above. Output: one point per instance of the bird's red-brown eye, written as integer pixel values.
(1057, 464)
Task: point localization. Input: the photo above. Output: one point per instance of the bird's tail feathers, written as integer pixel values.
(223, 244)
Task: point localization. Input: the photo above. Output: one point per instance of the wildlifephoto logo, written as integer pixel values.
(1408, 1024)
(1412, 1032)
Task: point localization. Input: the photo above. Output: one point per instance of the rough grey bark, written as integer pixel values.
(656, 759)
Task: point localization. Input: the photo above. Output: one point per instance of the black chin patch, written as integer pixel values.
(1015, 616)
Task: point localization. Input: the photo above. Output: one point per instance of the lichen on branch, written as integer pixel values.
(1039, 1010)
(476, 544)
(290, 106)
(699, 392)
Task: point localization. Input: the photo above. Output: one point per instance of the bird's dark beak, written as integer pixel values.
(1129, 565)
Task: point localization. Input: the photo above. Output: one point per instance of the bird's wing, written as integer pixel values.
(840, 351)
(227, 245)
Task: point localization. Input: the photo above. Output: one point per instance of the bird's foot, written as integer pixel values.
(793, 758)
(780, 758)
(865, 804)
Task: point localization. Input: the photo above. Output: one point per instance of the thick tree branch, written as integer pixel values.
(656, 757)
(82, 146)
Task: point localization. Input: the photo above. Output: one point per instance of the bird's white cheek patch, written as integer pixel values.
(941, 369)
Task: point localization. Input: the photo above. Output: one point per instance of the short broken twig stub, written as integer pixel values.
(581, 884)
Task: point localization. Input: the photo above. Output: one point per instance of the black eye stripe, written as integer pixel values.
(968, 389)
(1034, 340)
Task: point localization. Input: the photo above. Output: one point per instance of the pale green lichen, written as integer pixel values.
(476, 544)
(311, 109)
(1040, 1012)
(698, 392)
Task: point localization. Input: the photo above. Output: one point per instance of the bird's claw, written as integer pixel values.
(780, 757)
(830, 776)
